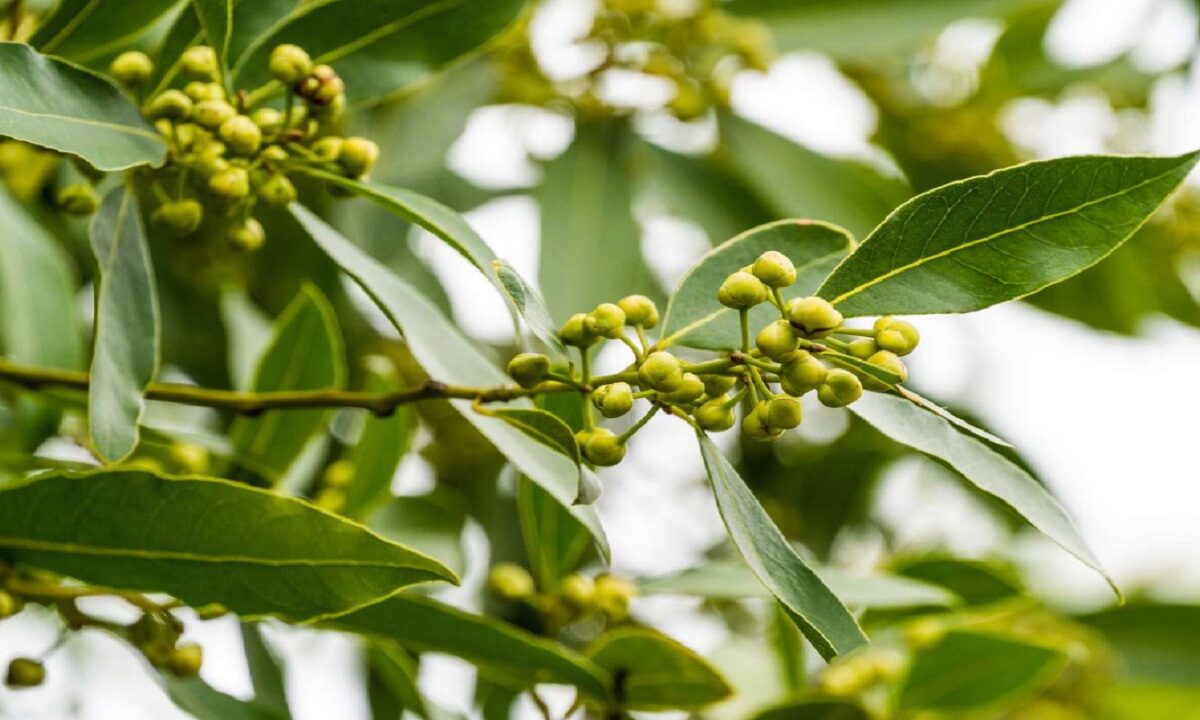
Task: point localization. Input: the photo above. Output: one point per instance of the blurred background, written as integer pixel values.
(602, 153)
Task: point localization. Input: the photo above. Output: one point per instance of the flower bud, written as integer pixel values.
(717, 385)
(25, 673)
(170, 105)
(232, 183)
(339, 474)
(802, 373)
(212, 113)
(841, 387)
(269, 120)
(604, 448)
(132, 68)
(200, 62)
(661, 371)
(190, 457)
(328, 148)
(178, 218)
(277, 191)
(777, 340)
(690, 390)
(607, 320)
(896, 336)
(247, 236)
(813, 315)
(241, 135)
(741, 290)
(511, 582)
(781, 413)
(574, 331)
(9, 605)
(754, 427)
(321, 86)
(357, 156)
(613, 400)
(199, 91)
(612, 596)
(330, 499)
(924, 632)
(890, 362)
(528, 369)
(186, 660)
(775, 269)
(714, 416)
(331, 112)
(862, 348)
(274, 155)
(639, 310)
(843, 680)
(578, 590)
(78, 199)
(289, 64)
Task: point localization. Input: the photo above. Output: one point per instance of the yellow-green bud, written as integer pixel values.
(185, 661)
(200, 62)
(190, 457)
(331, 111)
(289, 64)
(843, 679)
(717, 385)
(607, 320)
(357, 156)
(780, 413)
(511, 582)
(328, 148)
(232, 183)
(690, 389)
(604, 448)
(339, 474)
(639, 310)
(613, 400)
(896, 336)
(321, 86)
(612, 596)
(775, 269)
(274, 155)
(890, 362)
(277, 191)
(813, 315)
(132, 68)
(574, 331)
(802, 373)
(661, 371)
(841, 387)
(528, 369)
(330, 499)
(207, 166)
(777, 341)
(247, 236)
(25, 673)
(756, 429)
(924, 632)
(199, 91)
(180, 217)
(78, 199)
(578, 590)
(9, 605)
(170, 105)
(212, 113)
(714, 416)
(241, 135)
(269, 120)
(862, 348)
(742, 290)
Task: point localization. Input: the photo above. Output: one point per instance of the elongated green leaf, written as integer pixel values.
(696, 318)
(555, 542)
(977, 582)
(951, 417)
(816, 710)
(57, 105)
(392, 683)
(381, 46)
(449, 357)
(125, 357)
(248, 333)
(530, 305)
(216, 21)
(818, 613)
(381, 447)
(204, 541)
(655, 672)
(542, 427)
(1156, 643)
(509, 655)
(204, 702)
(85, 30)
(1135, 701)
(305, 354)
(432, 523)
(982, 241)
(265, 673)
(985, 468)
(968, 671)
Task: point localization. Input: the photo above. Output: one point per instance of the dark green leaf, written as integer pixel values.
(977, 582)
(1156, 643)
(87, 30)
(216, 21)
(57, 105)
(248, 333)
(393, 673)
(265, 674)
(541, 426)
(555, 542)
(204, 541)
(816, 710)
(654, 672)
(531, 307)
(818, 613)
(432, 524)
(204, 702)
(381, 447)
(982, 241)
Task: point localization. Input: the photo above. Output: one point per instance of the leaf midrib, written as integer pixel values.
(129, 129)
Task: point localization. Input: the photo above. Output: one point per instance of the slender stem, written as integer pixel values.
(744, 318)
(759, 384)
(16, 12)
(624, 437)
(585, 372)
(777, 300)
(641, 333)
(628, 376)
(709, 366)
(763, 364)
(834, 342)
(637, 352)
(857, 332)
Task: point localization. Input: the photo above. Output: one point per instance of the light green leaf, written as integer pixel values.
(507, 655)
(695, 318)
(655, 672)
(305, 354)
(381, 447)
(818, 613)
(1138, 701)
(555, 542)
(248, 332)
(204, 541)
(815, 710)
(87, 30)
(951, 418)
(541, 426)
(982, 241)
(449, 357)
(63, 107)
(125, 356)
(988, 470)
(970, 671)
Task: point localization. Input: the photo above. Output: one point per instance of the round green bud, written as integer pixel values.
(357, 156)
(180, 217)
(896, 336)
(330, 499)
(742, 290)
(607, 320)
(714, 416)
(578, 590)
(241, 135)
(153, 630)
(777, 341)
(9, 605)
(582, 437)
(511, 582)
(200, 62)
(25, 673)
(690, 389)
(169, 105)
(339, 474)
(328, 148)
(781, 413)
(604, 448)
(332, 111)
(247, 236)
(717, 385)
(802, 373)
(888, 361)
(613, 400)
(78, 199)
(132, 68)
(813, 315)
(862, 348)
(775, 269)
(612, 596)
(199, 91)
(190, 457)
(206, 167)
(639, 310)
(277, 191)
(661, 371)
(755, 429)
(289, 64)
(269, 120)
(925, 633)
(841, 387)
(528, 369)
(212, 113)
(322, 86)
(843, 680)
(574, 331)
(232, 183)
(274, 155)
(186, 660)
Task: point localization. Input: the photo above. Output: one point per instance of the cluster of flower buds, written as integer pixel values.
(156, 635)
(577, 596)
(226, 155)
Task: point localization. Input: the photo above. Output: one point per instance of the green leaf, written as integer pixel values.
(654, 672)
(815, 710)
(380, 47)
(63, 107)
(265, 673)
(248, 332)
(530, 305)
(204, 702)
(392, 683)
(982, 241)
(540, 425)
(216, 20)
(125, 355)
(1138, 701)
(1157, 643)
(204, 541)
(88, 30)
(432, 524)
(305, 354)
(694, 316)
(555, 542)
(818, 613)
(797, 182)
(449, 357)
(977, 582)
(381, 447)
(507, 655)
(982, 466)
(950, 417)
(863, 367)
(968, 671)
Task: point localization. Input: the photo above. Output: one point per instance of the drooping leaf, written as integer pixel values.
(63, 107)
(1157, 643)
(695, 318)
(204, 702)
(951, 418)
(982, 466)
(266, 675)
(125, 354)
(982, 241)
(392, 683)
(819, 614)
(204, 541)
(530, 305)
(815, 710)
(449, 357)
(555, 542)
(540, 425)
(507, 655)
(653, 672)
(87, 30)
(381, 447)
